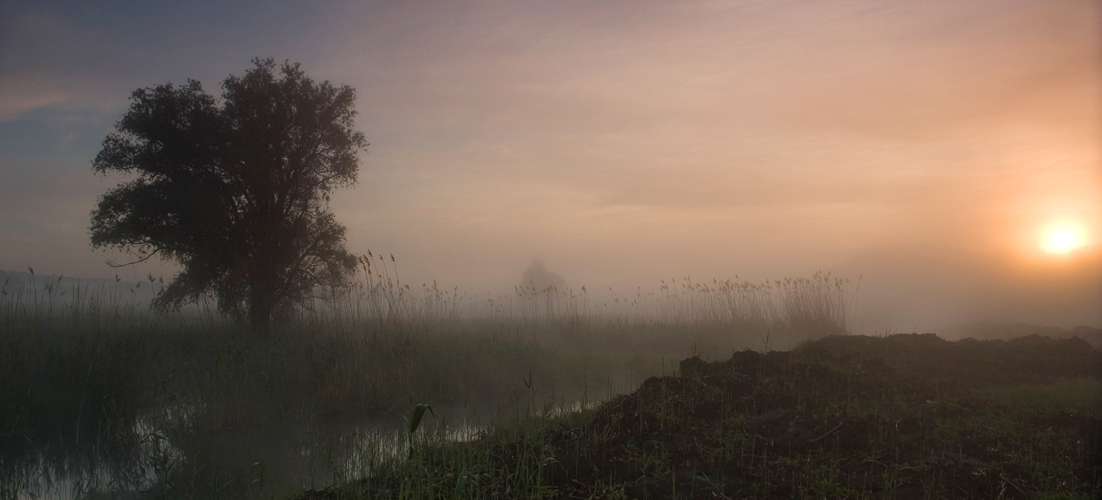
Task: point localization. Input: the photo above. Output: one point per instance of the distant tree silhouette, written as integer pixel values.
(538, 278)
(236, 190)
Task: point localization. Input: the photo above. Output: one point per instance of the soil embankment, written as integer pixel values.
(905, 416)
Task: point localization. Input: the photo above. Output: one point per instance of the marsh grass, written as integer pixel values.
(534, 396)
(1065, 395)
(102, 394)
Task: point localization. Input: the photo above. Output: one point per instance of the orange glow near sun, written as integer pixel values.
(1063, 237)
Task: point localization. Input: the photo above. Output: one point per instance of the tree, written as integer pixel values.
(538, 278)
(234, 190)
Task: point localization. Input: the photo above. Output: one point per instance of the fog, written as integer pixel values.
(919, 149)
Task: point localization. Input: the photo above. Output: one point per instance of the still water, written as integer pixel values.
(154, 460)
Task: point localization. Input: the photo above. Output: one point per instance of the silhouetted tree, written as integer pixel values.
(537, 277)
(236, 190)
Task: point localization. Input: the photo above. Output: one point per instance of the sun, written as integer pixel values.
(1063, 237)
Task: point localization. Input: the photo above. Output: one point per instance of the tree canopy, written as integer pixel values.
(236, 190)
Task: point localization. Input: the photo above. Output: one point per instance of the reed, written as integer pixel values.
(794, 308)
(89, 375)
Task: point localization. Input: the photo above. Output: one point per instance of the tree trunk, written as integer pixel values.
(260, 307)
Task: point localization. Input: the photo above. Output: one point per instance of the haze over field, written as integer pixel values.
(948, 153)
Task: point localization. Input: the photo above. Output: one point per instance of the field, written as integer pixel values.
(386, 391)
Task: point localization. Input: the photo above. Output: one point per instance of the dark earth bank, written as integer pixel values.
(904, 416)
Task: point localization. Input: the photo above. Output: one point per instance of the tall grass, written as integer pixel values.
(89, 375)
(379, 300)
(55, 303)
(381, 341)
(797, 308)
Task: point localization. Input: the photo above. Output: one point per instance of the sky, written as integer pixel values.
(921, 149)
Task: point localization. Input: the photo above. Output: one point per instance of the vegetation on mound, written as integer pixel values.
(906, 416)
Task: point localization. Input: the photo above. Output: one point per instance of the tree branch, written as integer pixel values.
(139, 261)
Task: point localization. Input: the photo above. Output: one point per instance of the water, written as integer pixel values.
(253, 462)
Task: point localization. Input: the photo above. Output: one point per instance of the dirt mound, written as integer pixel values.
(887, 416)
(967, 362)
(902, 417)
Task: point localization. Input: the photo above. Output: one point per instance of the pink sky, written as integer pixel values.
(924, 146)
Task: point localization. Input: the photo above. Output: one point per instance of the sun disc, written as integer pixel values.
(1062, 238)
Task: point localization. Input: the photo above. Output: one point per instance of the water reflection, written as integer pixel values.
(160, 455)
